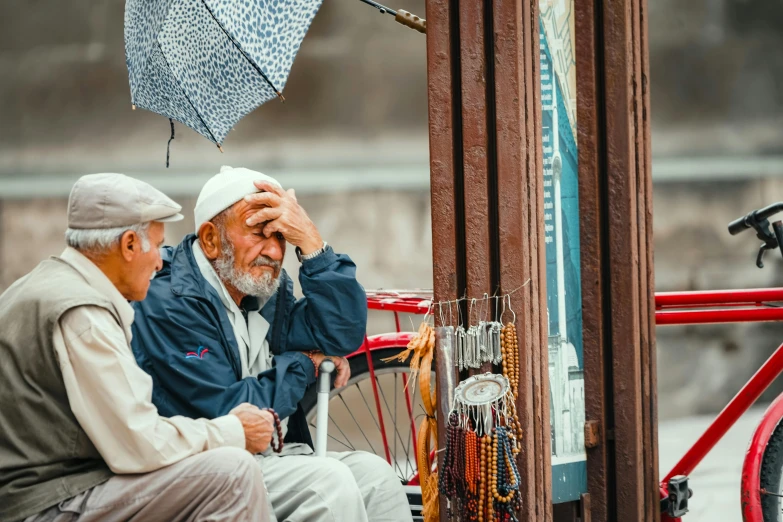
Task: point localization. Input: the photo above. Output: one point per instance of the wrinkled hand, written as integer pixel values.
(341, 364)
(281, 213)
(259, 425)
(343, 371)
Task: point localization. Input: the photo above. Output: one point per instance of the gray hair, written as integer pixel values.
(100, 240)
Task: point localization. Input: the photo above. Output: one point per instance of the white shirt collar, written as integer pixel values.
(250, 335)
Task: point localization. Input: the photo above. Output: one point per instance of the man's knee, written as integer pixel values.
(329, 474)
(364, 464)
(234, 464)
(330, 469)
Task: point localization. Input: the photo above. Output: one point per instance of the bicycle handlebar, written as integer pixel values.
(756, 216)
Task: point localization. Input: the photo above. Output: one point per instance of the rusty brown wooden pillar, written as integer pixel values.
(487, 193)
(615, 193)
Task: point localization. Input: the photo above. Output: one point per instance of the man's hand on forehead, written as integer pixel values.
(279, 212)
(270, 200)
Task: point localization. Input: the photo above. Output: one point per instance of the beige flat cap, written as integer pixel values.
(116, 200)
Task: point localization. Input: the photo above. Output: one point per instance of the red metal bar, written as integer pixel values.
(367, 351)
(741, 315)
(399, 304)
(663, 300)
(726, 419)
(397, 321)
(723, 297)
(410, 413)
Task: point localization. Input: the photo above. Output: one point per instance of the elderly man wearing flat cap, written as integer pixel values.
(221, 326)
(79, 436)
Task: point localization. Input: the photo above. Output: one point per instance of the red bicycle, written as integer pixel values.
(378, 412)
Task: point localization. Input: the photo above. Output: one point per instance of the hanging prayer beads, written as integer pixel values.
(479, 475)
(478, 471)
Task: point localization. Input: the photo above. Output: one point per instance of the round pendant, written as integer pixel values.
(480, 390)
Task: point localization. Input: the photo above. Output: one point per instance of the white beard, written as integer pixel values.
(262, 287)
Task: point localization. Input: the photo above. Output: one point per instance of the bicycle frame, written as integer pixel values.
(729, 306)
(671, 308)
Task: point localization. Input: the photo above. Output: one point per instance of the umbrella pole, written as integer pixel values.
(403, 17)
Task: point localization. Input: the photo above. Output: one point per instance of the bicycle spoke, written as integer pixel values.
(383, 410)
(396, 431)
(334, 439)
(341, 442)
(341, 431)
(368, 407)
(393, 455)
(358, 425)
(408, 445)
(336, 426)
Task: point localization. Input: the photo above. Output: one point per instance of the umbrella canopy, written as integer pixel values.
(208, 63)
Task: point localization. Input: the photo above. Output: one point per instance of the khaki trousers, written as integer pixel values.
(223, 484)
(342, 487)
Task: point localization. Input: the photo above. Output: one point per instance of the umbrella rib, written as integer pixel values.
(242, 51)
(185, 94)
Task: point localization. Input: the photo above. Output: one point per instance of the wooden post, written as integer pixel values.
(615, 191)
(487, 195)
(487, 213)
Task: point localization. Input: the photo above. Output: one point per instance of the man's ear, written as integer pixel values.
(209, 238)
(130, 245)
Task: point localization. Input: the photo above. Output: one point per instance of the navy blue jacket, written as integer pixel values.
(183, 338)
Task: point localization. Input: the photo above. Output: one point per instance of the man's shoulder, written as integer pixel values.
(162, 296)
(164, 301)
(53, 280)
(78, 320)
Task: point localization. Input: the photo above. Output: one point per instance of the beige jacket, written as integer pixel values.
(111, 396)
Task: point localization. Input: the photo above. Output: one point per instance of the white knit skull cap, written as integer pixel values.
(226, 188)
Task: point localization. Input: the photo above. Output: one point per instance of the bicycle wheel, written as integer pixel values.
(354, 422)
(770, 477)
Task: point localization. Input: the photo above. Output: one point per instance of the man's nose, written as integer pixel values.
(273, 249)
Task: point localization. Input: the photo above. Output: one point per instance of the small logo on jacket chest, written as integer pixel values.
(199, 354)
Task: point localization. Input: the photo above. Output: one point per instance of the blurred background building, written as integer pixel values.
(351, 138)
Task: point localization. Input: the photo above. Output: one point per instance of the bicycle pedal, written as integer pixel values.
(676, 504)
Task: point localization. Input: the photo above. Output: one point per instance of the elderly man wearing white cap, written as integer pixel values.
(79, 436)
(221, 326)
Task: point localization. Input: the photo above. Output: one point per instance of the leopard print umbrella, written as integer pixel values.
(208, 63)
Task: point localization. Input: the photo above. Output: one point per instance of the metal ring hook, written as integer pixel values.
(430, 312)
(513, 313)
